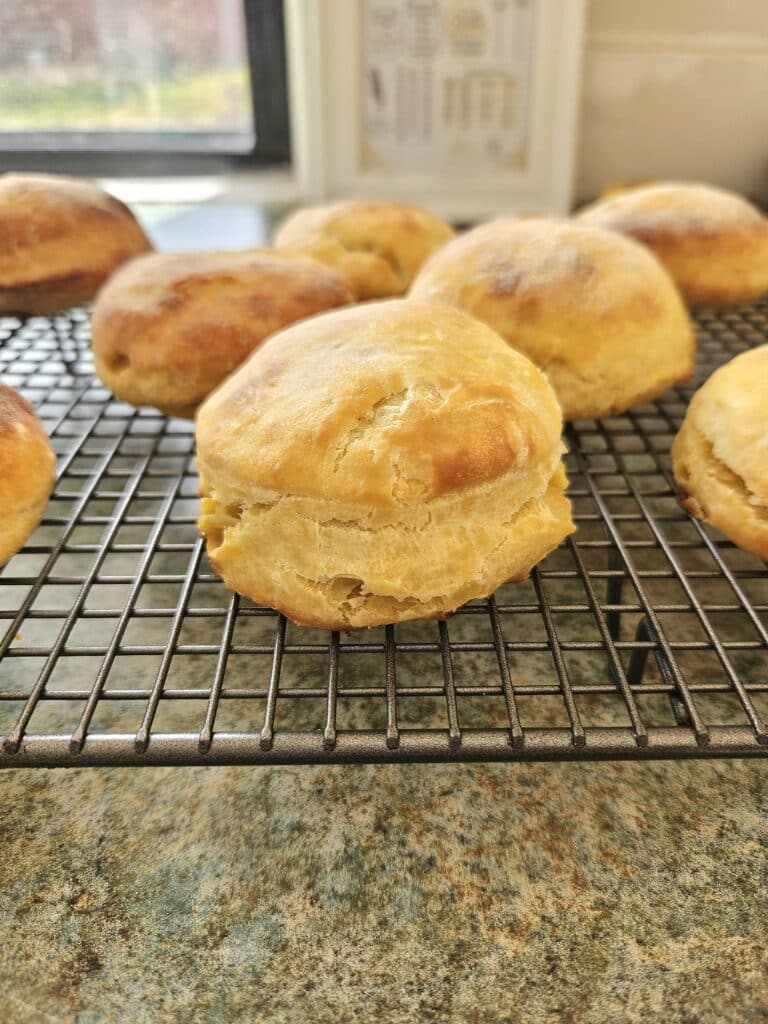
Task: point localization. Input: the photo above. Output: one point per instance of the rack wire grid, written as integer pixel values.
(643, 636)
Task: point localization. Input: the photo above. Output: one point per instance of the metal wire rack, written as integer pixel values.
(644, 636)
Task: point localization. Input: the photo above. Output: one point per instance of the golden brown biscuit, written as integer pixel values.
(60, 238)
(169, 327)
(27, 467)
(713, 242)
(379, 246)
(720, 455)
(380, 463)
(596, 311)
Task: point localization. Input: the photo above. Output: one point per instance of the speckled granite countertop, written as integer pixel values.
(573, 893)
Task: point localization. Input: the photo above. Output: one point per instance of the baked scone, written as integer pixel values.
(60, 238)
(380, 463)
(169, 327)
(378, 245)
(713, 242)
(720, 454)
(27, 467)
(596, 311)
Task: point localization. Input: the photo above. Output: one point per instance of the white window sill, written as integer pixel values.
(268, 188)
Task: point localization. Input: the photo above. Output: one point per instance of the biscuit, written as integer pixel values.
(380, 463)
(169, 327)
(596, 311)
(378, 245)
(27, 468)
(713, 242)
(60, 239)
(720, 454)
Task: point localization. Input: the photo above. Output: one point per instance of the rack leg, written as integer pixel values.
(613, 593)
(636, 671)
(639, 657)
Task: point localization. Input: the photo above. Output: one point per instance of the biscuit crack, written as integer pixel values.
(729, 478)
(363, 424)
(358, 525)
(218, 518)
(354, 594)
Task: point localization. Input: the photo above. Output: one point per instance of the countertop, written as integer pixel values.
(564, 893)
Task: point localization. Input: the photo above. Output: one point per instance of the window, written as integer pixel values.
(142, 86)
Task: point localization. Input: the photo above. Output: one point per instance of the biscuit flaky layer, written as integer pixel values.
(339, 567)
(720, 455)
(596, 311)
(27, 467)
(381, 463)
(61, 239)
(378, 245)
(713, 242)
(169, 327)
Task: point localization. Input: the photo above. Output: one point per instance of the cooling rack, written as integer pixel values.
(643, 636)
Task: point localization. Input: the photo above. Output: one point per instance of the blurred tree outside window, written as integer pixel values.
(173, 69)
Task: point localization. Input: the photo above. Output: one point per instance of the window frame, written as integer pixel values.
(126, 154)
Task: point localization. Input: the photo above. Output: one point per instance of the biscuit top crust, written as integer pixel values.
(388, 403)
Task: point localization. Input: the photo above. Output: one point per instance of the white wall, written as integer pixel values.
(675, 88)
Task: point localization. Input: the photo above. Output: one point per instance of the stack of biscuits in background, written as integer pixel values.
(379, 402)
